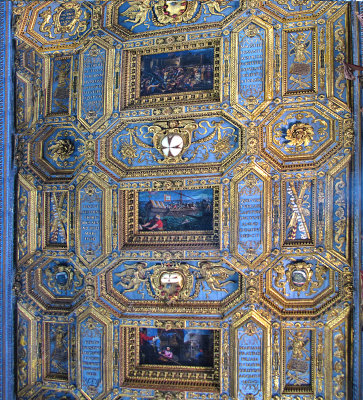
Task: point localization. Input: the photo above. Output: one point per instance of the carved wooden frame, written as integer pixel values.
(131, 72)
(186, 378)
(130, 237)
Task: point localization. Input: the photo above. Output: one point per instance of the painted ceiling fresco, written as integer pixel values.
(184, 209)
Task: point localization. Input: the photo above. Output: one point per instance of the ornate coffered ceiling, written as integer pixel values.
(184, 199)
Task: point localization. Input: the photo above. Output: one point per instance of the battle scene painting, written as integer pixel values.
(178, 347)
(180, 71)
(173, 210)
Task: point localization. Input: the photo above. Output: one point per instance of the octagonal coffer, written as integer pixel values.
(55, 283)
(301, 137)
(129, 19)
(302, 284)
(54, 24)
(155, 286)
(206, 145)
(56, 153)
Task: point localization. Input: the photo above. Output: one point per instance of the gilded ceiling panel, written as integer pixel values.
(184, 199)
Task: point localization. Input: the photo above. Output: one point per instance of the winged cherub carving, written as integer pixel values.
(133, 276)
(214, 275)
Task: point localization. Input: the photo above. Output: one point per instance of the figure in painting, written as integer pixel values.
(189, 347)
(147, 351)
(155, 224)
(167, 353)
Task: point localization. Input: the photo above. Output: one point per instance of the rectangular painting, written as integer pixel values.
(176, 347)
(176, 210)
(177, 72)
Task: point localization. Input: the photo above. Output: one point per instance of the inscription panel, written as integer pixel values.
(251, 75)
(250, 361)
(91, 198)
(93, 225)
(250, 207)
(95, 84)
(92, 356)
(251, 224)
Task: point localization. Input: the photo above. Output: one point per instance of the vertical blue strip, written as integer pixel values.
(358, 347)
(357, 364)
(6, 204)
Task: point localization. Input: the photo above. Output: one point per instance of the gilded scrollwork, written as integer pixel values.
(320, 362)
(22, 224)
(185, 165)
(339, 36)
(22, 354)
(292, 4)
(340, 224)
(276, 359)
(68, 18)
(339, 378)
(299, 276)
(173, 281)
(165, 12)
(63, 278)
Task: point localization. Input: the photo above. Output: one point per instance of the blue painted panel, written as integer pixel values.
(90, 220)
(340, 210)
(250, 211)
(154, 15)
(250, 361)
(92, 351)
(251, 66)
(340, 83)
(94, 70)
(58, 350)
(300, 60)
(298, 358)
(61, 85)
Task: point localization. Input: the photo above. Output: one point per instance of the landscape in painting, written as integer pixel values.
(173, 210)
(179, 347)
(181, 71)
